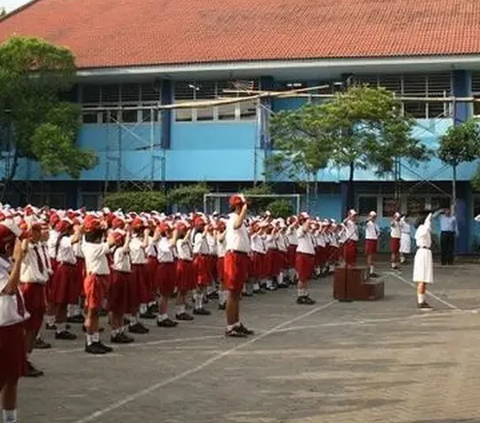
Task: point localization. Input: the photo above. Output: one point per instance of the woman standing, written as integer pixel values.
(423, 262)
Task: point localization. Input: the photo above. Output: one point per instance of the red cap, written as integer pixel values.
(138, 223)
(118, 223)
(62, 226)
(91, 223)
(236, 200)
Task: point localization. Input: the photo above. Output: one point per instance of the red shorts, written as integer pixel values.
(333, 253)
(201, 264)
(165, 278)
(291, 256)
(274, 264)
(65, 286)
(13, 364)
(395, 245)
(304, 265)
(185, 275)
(95, 287)
(118, 292)
(236, 270)
(213, 267)
(321, 256)
(81, 272)
(138, 293)
(35, 303)
(350, 253)
(220, 270)
(151, 274)
(370, 246)
(258, 266)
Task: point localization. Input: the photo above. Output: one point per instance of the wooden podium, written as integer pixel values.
(354, 284)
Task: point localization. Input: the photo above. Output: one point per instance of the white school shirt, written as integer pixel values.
(165, 253)
(271, 242)
(52, 243)
(96, 258)
(305, 242)
(395, 231)
(30, 269)
(237, 239)
(351, 231)
(137, 252)
(184, 250)
(333, 240)
(212, 244)
(257, 244)
(46, 257)
(152, 248)
(320, 239)
(121, 260)
(8, 303)
(292, 236)
(371, 230)
(282, 242)
(65, 253)
(200, 245)
(404, 226)
(221, 248)
(77, 250)
(423, 236)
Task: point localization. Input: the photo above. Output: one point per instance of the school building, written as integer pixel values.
(134, 55)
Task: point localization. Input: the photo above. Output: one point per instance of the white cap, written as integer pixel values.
(372, 214)
(352, 212)
(12, 226)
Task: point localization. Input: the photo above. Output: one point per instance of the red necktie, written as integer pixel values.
(20, 305)
(39, 259)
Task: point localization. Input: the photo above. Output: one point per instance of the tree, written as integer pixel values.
(132, 201)
(259, 204)
(460, 144)
(35, 77)
(189, 197)
(281, 208)
(301, 144)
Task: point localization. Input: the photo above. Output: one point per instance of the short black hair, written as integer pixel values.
(95, 237)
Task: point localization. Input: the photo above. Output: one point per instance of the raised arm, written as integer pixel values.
(241, 217)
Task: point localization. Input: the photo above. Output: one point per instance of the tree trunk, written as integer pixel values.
(454, 190)
(9, 177)
(350, 188)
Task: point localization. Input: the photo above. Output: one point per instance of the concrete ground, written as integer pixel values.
(333, 362)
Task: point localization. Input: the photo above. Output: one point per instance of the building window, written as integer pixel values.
(440, 202)
(366, 204)
(416, 205)
(204, 91)
(389, 206)
(90, 201)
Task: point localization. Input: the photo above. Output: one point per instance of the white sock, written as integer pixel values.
(96, 337)
(134, 319)
(280, 278)
(162, 317)
(269, 283)
(421, 298)
(115, 332)
(10, 416)
(70, 310)
(372, 269)
(89, 339)
(301, 292)
(61, 327)
(143, 308)
(50, 320)
(256, 286)
(180, 308)
(222, 297)
(198, 298)
(230, 327)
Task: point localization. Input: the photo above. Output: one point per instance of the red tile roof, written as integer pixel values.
(106, 33)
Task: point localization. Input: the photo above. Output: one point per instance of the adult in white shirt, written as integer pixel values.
(423, 262)
(405, 238)
(13, 359)
(395, 235)
(371, 241)
(305, 260)
(236, 264)
(33, 278)
(350, 239)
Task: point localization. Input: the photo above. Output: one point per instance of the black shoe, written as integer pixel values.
(119, 339)
(222, 306)
(103, 312)
(32, 371)
(282, 285)
(271, 288)
(213, 296)
(128, 339)
(244, 330)
(54, 327)
(373, 275)
(40, 344)
(94, 348)
(126, 321)
(76, 319)
(424, 306)
(105, 347)
(247, 294)
(184, 317)
(309, 301)
(154, 308)
(167, 323)
(148, 315)
(235, 333)
(84, 329)
(65, 335)
(138, 328)
(201, 312)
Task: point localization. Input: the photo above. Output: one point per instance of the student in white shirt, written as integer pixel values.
(423, 262)
(201, 264)
(95, 285)
(212, 293)
(371, 241)
(13, 359)
(258, 256)
(185, 272)
(405, 239)
(221, 251)
(305, 260)
(236, 264)
(395, 235)
(292, 248)
(350, 239)
(33, 278)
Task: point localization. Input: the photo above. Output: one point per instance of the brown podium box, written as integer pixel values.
(354, 284)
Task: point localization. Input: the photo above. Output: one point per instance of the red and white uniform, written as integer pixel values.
(305, 260)
(33, 277)
(185, 271)
(350, 235)
(138, 293)
(166, 273)
(120, 281)
(371, 237)
(292, 245)
(212, 254)
(152, 268)
(201, 259)
(259, 252)
(221, 251)
(273, 262)
(96, 281)
(236, 258)
(395, 235)
(66, 290)
(13, 363)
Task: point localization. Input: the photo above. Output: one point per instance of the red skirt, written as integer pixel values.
(320, 256)
(274, 263)
(95, 287)
(185, 276)
(220, 270)
(65, 284)
(81, 272)
(165, 278)
(213, 267)
(236, 270)
(304, 265)
(350, 253)
(370, 246)
(291, 251)
(35, 303)
(395, 245)
(202, 269)
(137, 293)
(258, 266)
(152, 266)
(13, 364)
(118, 292)
(333, 253)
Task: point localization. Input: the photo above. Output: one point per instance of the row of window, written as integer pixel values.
(387, 206)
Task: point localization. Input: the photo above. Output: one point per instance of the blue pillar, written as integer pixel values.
(167, 115)
(462, 83)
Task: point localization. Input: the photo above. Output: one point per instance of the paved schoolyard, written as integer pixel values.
(334, 362)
